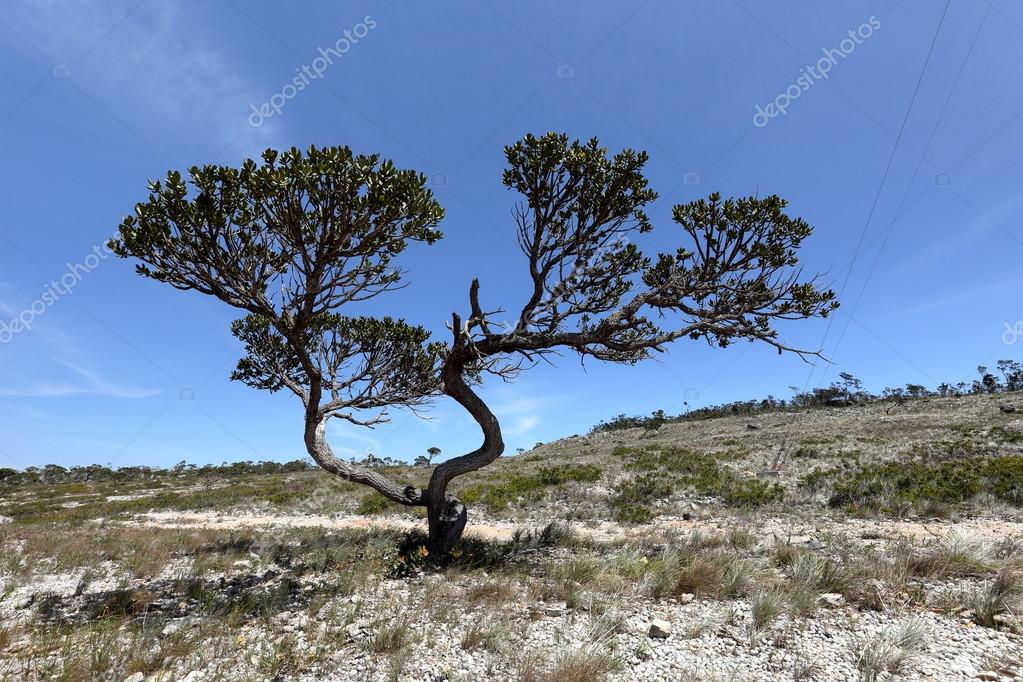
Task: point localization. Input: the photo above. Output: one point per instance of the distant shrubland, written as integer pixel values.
(847, 391)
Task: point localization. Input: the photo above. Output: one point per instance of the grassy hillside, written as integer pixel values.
(854, 542)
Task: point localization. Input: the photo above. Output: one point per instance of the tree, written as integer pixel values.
(295, 239)
(432, 452)
(988, 383)
(916, 390)
(1012, 371)
(852, 386)
(594, 293)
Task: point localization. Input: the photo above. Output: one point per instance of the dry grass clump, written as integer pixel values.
(490, 634)
(889, 651)
(994, 598)
(585, 664)
(391, 635)
(766, 605)
(493, 591)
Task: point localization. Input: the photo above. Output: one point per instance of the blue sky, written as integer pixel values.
(919, 232)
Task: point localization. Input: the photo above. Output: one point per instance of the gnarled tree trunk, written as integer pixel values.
(446, 518)
(447, 514)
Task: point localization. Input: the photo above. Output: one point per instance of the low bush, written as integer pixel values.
(884, 486)
(374, 503)
(522, 489)
(668, 469)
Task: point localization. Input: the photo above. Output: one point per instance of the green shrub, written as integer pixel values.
(679, 467)
(557, 475)
(951, 481)
(629, 512)
(374, 503)
(525, 488)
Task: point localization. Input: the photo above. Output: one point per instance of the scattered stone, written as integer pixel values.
(553, 611)
(243, 564)
(989, 675)
(26, 602)
(752, 427)
(179, 623)
(171, 627)
(659, 629)
(768, 473)
(137, 677)
(831, 599)
(5, 519)
(1007, 409)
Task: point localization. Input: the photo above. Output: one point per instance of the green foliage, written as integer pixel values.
(667, 469)
(522, 489)
(387, 358)
(222, 231)
(880, 486)
(374, 503)
(559, 474)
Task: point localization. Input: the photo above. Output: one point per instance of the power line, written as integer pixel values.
(927, 146)
(884, 178)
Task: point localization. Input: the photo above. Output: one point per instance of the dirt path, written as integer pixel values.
(795, 530)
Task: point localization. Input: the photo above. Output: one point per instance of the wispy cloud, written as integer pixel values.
(85, 382)
(521, 413)
(157, 68)
(523, 425)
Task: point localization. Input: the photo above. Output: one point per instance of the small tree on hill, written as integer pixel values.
(319, 232)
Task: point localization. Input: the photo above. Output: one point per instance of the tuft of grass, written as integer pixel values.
(994, 598)
(552, 534)
(493, 591)
(578, 569)
(959, 554)
(484, 634)
(818, 573)
(889, 651)
(391, 636)
(586, 664)
(766, 605)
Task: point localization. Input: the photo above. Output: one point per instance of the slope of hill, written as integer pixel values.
(861, 542)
